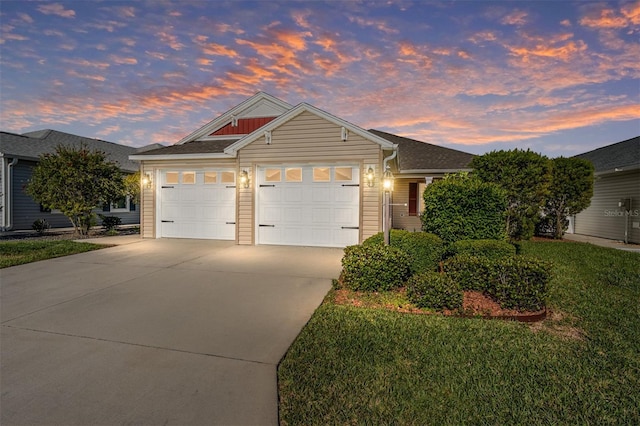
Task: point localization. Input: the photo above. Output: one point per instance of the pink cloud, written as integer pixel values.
(517, 17)
(26, 18)
(170, 40)
(120, 60)
(56, 9)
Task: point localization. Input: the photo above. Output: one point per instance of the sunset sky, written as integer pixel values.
(558, 77)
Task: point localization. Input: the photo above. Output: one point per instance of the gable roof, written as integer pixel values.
(421, 157)
(255, 106)
(294, 112)
(619, 156)
(31, 145)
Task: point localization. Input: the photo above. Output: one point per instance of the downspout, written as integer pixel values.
(386, 201)
(389, 158)
(8, 196)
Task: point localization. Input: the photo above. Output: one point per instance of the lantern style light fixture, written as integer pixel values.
(244, 179)
(387, 180)
(146, 180)
(370, 177)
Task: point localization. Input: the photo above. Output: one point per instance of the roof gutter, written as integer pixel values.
(195, 156)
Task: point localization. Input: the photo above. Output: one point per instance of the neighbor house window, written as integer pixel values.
(120, 205)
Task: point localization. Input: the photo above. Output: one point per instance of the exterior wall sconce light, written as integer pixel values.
(244, 179)
(146, 181)
(370, 176)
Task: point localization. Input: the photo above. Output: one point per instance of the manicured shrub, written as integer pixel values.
(470, 272)
(520, 282)
(460, 207)
(492, 249)
(374, 267)
(425, 249)
(110, 222)
(40, 226)
(515, 282)
(434, 290)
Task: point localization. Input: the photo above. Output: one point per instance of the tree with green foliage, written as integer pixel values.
(526, 177)
(462, 207)
(132, 186)
(75, 181)
(570, 192)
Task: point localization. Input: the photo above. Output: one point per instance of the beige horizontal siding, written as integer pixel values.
(400, 213)
(603, 218)
(309, 139)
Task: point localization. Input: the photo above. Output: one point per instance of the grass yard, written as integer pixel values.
(19, 252)
(582, 366)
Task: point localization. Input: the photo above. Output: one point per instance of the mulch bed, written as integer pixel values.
(474, 305)
(53, 235)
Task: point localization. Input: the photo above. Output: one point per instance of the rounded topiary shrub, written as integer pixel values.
(462, 207)
(492, 249)
(470, 272)
(520, 282)
(434, 290)
(374, 267)
(425, 249)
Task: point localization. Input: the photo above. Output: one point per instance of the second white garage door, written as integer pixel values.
(308, 205)
(198, 204)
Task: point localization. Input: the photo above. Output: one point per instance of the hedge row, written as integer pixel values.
(489, 266)
(425, 249)
(516, 282)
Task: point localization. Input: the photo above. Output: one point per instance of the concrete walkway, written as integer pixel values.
(603, 242)
(183, 332)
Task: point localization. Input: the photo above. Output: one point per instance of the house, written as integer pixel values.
(20, 154)
(267, 172)
(614, 212)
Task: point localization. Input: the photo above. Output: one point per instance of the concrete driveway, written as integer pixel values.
(184, 332)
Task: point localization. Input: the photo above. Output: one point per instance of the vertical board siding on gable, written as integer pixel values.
(308, 138)
(601, 218)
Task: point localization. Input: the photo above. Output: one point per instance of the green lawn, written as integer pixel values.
(19, 252)
(370, 366)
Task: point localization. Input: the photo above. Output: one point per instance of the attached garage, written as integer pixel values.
(315, 205)
(197, 204)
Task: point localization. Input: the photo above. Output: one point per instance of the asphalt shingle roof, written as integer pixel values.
(618, 155)
(417, 155)
(194, 147)
(34, 144)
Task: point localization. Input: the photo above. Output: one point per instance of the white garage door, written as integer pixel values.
(198, 204)
(308, 205)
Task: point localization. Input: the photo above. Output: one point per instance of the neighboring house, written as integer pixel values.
(614, 212)
(267, 172)
(20, 154)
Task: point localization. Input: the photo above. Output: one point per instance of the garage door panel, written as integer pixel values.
(309, 212)
(198, 208)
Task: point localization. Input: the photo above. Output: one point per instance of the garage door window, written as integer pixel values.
(294, 174)
(272, 175)
(171, 178)
(344, 174)
(228, 177)
(188, 178)
(321, 174)
(210, 177)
